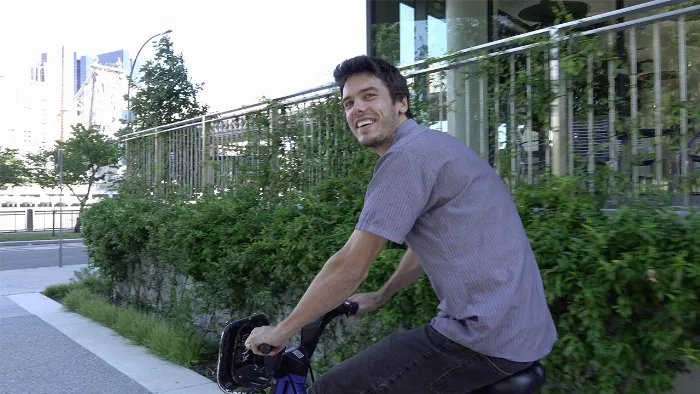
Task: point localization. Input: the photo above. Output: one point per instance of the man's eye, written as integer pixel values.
(348, 104)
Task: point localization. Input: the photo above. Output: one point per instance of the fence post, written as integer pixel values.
(558, 122)
(53, 223)
(30, 220)
(206, 177)
(274, 113)
(159, 167)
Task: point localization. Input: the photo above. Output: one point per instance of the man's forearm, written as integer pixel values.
(407, 272)
(332, 285)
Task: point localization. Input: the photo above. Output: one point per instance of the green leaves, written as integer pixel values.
(13, 171)
(88, 156)
(165, 94)
(622, 285)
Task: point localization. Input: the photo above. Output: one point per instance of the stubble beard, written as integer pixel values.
(387, 129)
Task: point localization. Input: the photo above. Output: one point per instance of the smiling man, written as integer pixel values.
(462, 229)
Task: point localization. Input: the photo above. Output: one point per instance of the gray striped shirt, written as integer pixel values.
(435, 193)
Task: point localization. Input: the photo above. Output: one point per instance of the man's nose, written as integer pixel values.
(359, 107)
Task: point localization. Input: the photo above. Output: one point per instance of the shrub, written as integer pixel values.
(622, 284)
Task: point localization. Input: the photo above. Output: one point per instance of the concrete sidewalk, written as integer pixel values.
(48, 350)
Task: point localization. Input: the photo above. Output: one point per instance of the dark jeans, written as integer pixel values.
(417, 361)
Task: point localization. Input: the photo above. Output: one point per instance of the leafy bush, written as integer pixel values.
(622, 284)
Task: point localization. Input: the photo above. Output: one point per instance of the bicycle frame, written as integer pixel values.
(291, 384)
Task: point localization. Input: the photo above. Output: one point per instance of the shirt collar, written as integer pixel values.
(406, 128)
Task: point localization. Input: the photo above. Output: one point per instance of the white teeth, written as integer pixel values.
(364, 122)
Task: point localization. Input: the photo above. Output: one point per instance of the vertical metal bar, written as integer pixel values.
(304, 146)
(531, 133)
(591, 116)
(513, 132)
(204, 161)
(483, 133)
(193, 164)
(467, 111)
(441, 84)
(496, 116)
(633, 107)
(548, 138)
(658, 161)
(612, 148)
(570, 118)
(189, 144)
(558, 114)
(182, 133)
(683, 80)
(180, 159)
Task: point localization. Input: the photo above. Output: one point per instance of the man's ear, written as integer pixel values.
(403, 106)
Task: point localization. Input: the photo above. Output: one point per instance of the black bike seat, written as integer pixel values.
(526, 381)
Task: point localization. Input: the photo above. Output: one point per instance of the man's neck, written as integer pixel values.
(381, 150)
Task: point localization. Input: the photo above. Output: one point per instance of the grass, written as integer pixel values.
(5, 237)
(160, 336)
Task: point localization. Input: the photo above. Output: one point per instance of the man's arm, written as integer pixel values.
(408, 271)
(342, 274)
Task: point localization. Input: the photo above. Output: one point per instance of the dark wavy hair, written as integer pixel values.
(380, 68)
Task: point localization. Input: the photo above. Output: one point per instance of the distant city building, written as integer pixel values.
(100, 102)
(60, 90)
(34, 107)
(83, 65)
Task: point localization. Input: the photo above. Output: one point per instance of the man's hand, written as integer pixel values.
(366, 302)
(268, 335)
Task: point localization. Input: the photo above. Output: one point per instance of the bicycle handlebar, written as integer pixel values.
(348, 308)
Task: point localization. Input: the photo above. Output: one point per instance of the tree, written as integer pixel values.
(13, 172)
(88, 156)
(164, 94)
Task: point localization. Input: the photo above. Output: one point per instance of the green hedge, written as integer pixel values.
(622, 285)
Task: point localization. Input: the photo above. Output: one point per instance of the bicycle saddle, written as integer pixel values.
(527, 381)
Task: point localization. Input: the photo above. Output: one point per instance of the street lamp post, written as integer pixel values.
(131, 74)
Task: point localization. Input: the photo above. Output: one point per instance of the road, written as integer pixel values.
(32, 256)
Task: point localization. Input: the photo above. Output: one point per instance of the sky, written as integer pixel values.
(240, 49)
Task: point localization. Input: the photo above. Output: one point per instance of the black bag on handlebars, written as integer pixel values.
(238, 368)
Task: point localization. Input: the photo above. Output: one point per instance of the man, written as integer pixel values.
(463, 231)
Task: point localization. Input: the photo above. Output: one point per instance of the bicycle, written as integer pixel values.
(239, 370)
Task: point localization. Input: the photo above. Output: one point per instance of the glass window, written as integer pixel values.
(404, 31)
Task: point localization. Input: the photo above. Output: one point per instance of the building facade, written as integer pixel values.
(83, 65)
(647, 93)
(406, 31)
(100, 103)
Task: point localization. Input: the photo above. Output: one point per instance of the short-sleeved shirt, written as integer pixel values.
(447, 203)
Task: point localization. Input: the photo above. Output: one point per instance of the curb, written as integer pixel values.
(40, 242)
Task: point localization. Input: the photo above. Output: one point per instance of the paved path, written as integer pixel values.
(37, 358)
(48, 350)
(30, 256)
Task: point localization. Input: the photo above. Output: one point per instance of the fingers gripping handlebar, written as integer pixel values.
(347, 308)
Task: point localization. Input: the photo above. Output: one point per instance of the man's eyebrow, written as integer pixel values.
(360, 92)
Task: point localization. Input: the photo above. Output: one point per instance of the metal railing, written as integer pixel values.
(600, 108)
(30, 220)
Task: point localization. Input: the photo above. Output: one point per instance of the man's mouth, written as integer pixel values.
(364, 122)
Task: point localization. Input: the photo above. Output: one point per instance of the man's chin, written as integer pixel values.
(371, 142)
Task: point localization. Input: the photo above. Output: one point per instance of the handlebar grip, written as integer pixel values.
(265, 348)
(352, 307)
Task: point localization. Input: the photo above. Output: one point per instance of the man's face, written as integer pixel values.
(372, 115)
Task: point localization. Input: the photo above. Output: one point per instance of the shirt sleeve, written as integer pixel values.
(397, 195)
